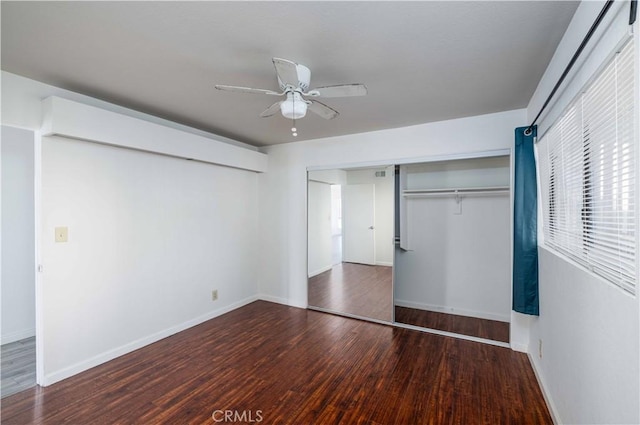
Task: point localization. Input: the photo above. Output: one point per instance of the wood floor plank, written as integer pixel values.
(294, 366)
(472, 326)
(357, 289)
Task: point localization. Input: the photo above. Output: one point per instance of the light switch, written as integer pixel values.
(62, 234)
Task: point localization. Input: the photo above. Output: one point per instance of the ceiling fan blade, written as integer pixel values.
(343, 90)
(287, 72)
(321, 109)
(246, 90)
(271, 110)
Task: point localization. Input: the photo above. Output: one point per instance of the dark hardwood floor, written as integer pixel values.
(356, 289)
(472, 326)
(287, 365)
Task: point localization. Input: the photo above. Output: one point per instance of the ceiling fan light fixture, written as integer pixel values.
(293, 80)
(294, 107)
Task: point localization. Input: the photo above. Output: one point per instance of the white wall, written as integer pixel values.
(320, 239)
(150, 236)
(491, 171)
(282, 191)
(458, 264)
(590, 330)
(383, 213)
(329, 176)
(18, 235)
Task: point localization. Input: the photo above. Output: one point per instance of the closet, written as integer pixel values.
(453, 249)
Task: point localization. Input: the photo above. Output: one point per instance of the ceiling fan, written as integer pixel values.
(293, 80)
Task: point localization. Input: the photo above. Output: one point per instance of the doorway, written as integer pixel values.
(18, 368)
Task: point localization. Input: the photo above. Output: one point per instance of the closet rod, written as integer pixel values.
(585, 40)
(455, 192)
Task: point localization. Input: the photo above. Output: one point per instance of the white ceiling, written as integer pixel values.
(421, 61)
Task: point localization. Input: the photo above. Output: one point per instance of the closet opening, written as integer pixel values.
(453, 246)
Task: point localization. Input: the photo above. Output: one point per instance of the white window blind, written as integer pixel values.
(588, 173)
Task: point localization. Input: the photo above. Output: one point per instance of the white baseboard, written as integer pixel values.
(545, 390)
(67, 372)
(278, 300)
(453, 310)
(522, 348)
(384, 263)
(322, 270)
(17, 336)
(451, 334)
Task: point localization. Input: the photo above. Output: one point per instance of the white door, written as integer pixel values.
(358, 232)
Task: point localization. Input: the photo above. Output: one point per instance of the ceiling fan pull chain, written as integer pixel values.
(294, 130)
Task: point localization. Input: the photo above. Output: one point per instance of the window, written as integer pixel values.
(587, 174)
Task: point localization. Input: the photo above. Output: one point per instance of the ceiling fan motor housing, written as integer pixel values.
(304, 78)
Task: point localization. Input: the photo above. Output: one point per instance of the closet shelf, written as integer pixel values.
(414, 193)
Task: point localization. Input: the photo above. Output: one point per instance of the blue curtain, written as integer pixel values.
(525, 225)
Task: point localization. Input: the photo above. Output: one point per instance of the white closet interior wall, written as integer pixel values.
(459, 257)
(319, 225)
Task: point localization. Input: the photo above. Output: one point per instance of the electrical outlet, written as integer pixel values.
(62, 234)
(540, 348)
(214, 295)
